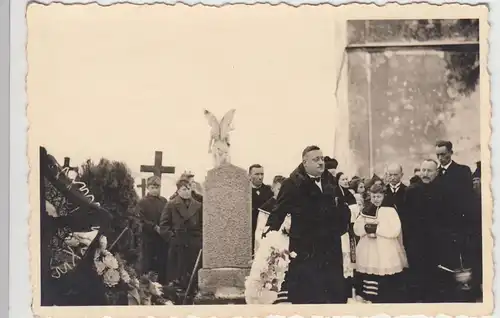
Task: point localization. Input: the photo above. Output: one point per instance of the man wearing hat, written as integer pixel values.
(189, 176)
(331, 165)
(154, 248)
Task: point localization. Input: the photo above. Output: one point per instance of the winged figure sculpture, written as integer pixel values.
(219, 144)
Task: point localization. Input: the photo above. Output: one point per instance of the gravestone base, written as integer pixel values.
(221, 285)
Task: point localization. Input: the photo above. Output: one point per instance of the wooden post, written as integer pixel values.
(143, 187)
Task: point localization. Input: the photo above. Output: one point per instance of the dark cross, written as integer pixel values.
(66, 165)
(158, 169)
(143, 187)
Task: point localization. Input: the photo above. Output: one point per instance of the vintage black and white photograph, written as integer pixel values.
(259, 155)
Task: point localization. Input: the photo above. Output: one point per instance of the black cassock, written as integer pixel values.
(423, 204)
(435, 232)
(319, 219)
(181, 226)
(154, 249)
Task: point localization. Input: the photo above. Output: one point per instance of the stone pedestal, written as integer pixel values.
(227, 230)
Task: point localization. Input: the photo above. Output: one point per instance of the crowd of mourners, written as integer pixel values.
(419, 242)
(412, 243)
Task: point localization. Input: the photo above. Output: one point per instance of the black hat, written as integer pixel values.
(331, 163)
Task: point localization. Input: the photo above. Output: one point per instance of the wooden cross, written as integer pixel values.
(157, 169)
(143, 187)
(66, 165)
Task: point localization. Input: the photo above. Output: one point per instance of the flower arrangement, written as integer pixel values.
(145, 290)
(107, 266)
(268, 269)
(122, 280)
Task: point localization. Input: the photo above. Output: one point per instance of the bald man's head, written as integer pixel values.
(394, 173)
(428, 170)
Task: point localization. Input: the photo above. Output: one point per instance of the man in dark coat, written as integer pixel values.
(261, 193)
(423, 204)
(189, 176)
(315, 275)
(181, 226)
(395, 189)
(154, 249)
(459, 214)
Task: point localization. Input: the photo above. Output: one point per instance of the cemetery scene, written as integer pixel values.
(407, 142)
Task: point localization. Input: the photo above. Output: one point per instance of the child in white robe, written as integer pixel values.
(380, 255)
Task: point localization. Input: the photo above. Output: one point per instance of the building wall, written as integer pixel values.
(401, 100)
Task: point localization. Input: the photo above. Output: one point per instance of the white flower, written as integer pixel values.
(168, 303)
(111, 277)
(293, 255)
(110, 261)
(155, 288)
(50, 209)
(281, 263)
(134, 283)
(125, 276)
(268, 286)
(100, 267)
(106, 253)
(103, 242)
(85, 238)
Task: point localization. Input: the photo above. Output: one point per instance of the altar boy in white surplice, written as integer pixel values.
(380, 255)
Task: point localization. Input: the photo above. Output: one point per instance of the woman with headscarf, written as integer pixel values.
(349, 239)
(357, 185)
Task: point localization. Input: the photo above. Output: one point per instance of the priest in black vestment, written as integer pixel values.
(260, 194)
(318, 220)
(424, 203)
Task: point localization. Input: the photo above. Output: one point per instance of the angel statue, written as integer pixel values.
(219, 144)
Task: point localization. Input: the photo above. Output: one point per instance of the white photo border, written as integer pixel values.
(14, 162)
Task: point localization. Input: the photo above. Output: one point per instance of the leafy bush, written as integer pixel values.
(113, 187)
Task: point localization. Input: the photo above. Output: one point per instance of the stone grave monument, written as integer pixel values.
(227, 230)
(227, 222)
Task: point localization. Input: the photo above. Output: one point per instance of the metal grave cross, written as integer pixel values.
(66, 165)
(157, 169)
(143, 187)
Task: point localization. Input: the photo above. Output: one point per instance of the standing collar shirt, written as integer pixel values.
(395, 188)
